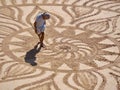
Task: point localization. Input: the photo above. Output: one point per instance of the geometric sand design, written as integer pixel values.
(82, 40)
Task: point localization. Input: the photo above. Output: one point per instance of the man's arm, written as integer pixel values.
(35, 27)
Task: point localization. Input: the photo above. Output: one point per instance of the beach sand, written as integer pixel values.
(82, 40)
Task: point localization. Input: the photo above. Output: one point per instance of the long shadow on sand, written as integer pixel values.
(30, 56)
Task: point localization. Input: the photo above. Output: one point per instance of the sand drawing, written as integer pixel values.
(82, 39)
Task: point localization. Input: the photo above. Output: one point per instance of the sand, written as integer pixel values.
(82, 40)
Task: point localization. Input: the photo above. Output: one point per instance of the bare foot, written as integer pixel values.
(42, 45)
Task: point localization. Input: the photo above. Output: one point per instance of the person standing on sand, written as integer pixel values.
(39, 25)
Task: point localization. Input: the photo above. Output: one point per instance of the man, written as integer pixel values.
(39, 25)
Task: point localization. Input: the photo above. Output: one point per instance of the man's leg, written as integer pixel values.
(39, 35)
(41, 39)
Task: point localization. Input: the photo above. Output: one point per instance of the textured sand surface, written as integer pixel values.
(82, 40)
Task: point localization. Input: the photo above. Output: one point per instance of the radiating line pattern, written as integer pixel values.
(82, 40)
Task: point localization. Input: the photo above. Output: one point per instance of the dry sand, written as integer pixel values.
(82, 40)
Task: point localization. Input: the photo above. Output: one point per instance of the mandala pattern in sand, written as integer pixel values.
(82, 41)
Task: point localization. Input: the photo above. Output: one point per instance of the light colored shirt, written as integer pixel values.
(40, 23)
